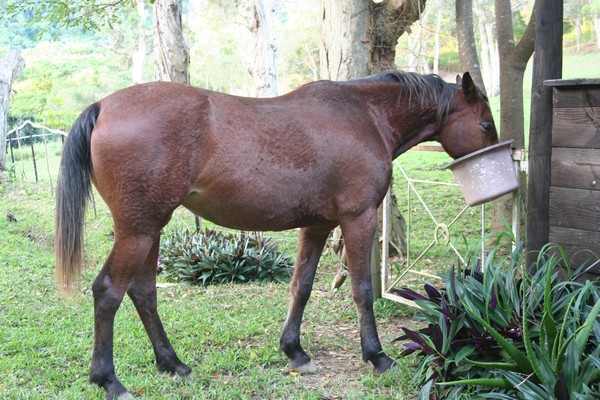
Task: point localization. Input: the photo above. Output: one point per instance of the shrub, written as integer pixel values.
(508, 334)
(212, 256)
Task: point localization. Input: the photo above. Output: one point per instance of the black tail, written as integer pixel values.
(73, 191)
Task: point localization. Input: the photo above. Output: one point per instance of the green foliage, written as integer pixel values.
(506, 333)
(229, 334)
(214, 256)
(57, 16)
(53, 90)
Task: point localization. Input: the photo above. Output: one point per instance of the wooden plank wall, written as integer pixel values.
(574, 203)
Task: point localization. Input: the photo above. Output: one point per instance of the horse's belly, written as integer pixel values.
(246, 211)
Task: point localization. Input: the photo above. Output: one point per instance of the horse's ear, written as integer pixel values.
(468, 86)
(459, 80)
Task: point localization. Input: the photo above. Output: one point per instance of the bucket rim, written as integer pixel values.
(460, 160)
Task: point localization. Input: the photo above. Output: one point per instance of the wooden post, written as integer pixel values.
(21, 154)
(375, 267)
(385, 243)
(33, 157)
(547, 64)
(12, 156)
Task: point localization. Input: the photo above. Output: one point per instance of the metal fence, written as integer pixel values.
(30, 148)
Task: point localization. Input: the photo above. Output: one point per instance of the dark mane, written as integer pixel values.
(430, 89)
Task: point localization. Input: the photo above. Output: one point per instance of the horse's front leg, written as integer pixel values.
(310, 247)
(359, 232)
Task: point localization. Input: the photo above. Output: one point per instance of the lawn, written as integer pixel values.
(229, 334)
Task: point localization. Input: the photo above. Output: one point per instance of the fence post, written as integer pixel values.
(47, 161)
(12, 156)
(375, 267)
(547, 64)
(21, 153)
(33, 157)
(385, 245)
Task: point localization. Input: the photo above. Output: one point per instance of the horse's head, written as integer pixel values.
(470, 125)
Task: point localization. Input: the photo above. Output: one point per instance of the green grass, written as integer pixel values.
(444, 202)
(228, 334)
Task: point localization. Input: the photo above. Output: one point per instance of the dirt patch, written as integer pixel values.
(335, 349)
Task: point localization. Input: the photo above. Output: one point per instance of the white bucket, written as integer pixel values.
(486, 174)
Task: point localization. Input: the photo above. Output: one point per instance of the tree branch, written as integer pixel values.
(526, 46)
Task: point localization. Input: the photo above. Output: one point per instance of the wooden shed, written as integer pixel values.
(574, 201)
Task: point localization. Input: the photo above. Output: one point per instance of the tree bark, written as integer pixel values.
(465, 36)
(596, 20)
(436, 46)
(10, 68)
(485, 19)
(358, 38)
(513, 61)
(390, 19)
(264, 66)
(345, 40)
(139, 54)
(171, 52)
(417, 48)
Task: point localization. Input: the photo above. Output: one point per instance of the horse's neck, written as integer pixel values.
(403, 122)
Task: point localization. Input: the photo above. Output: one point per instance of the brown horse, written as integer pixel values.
(315, 158)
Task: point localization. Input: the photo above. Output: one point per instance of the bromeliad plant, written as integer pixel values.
(212, 256)
(509, 334)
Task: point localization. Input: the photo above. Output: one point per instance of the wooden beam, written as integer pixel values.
(576, 127)
(576, 168)
(547, 64)
(575, 208)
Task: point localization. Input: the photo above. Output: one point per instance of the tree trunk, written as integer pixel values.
(171, 53)
(10, 68)
(140, 52)
(358, 38)
(513, 61)
(390, 19)
(489, 49)
(467, 49)
(596, 20)
(578, 33)
(417, 48)
(436, 46)
(264, 66)
(345, 48)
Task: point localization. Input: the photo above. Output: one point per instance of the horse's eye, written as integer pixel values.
(486, 126)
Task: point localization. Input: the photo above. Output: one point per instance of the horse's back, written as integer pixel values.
(260, 164)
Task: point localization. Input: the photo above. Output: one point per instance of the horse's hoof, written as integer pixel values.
(121, 396)
(183, 371)
(383, 364)
(125, 396)
(184, 378)
(306, 368)
(176, 368)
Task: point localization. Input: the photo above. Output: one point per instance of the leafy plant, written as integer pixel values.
(508, 333)
(213, 256)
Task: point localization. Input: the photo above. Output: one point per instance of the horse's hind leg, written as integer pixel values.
(359, 232)
(310, 246)
(142, 292)
(128, 255)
